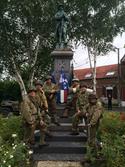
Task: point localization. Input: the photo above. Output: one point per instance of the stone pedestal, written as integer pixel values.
(62, 59)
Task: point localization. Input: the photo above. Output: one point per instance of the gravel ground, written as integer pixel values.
(58, 164)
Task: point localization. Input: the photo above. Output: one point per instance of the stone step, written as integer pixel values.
(58, 157)
(60, 106)
(68, 120)
(61, 148)
(61, 111)
(65, 120)
(63, 136)
(66, 127)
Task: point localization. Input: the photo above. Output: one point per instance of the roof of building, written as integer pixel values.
(108, 71)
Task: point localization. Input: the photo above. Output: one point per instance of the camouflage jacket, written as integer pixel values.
(29, 111)
(94, 112)
(48, 88)
(82, 100)
(42, 100)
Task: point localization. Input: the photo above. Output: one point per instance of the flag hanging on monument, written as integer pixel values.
(63, 87)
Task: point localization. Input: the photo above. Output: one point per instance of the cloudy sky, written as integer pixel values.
(80, 59)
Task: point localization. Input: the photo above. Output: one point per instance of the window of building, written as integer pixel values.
(110, 73)
(88, 75)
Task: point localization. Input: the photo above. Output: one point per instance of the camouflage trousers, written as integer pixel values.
(29, 130)
(52, 110)
(71, 106)
(92, 144)
(46, 117)
(76, 120)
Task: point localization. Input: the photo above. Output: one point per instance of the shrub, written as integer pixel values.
(111, 132)
(13, 152)
(9, 90)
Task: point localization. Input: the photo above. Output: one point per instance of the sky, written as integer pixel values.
(80, 58)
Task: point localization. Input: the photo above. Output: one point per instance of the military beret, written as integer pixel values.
(31, 89)
(39, 83)
(75, 80)
(48, 77)
(92, 96)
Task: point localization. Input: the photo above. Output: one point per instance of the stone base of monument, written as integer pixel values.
(62, 60)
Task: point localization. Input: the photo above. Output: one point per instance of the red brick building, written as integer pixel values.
(122, 79)
(107, 80)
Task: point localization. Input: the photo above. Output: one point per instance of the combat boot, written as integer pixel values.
(42, 141)
(65, 114)
(75, 131)
(54, 120)
(48, 134)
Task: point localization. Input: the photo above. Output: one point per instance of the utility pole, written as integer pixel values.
(118, 77)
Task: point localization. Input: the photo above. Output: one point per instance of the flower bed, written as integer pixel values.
(112, 135)
(13, 152)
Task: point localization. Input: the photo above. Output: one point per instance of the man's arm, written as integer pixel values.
(96, 116)
(26, 113)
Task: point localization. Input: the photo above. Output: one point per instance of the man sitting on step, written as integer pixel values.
(73, 94)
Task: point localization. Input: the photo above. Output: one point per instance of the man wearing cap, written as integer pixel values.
(42, 102)
(93, 111)
(82, 100)
(32, 118)
(73, 94)
(40, 94)
(50, 92)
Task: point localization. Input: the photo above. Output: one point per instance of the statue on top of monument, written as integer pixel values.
(61, 27)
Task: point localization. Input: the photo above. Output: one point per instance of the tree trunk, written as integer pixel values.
(94, 73)
(19, 79)
(34, 63)
(90, 62)
(92, 69)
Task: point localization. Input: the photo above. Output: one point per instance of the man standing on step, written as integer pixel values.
(82, 100)
(42, 102)
(50, 92)
(32, 118)
(73, 94)
(93, 111)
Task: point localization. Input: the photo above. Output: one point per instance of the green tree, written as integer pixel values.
(24, 37)
(27, 32)
(95, 24)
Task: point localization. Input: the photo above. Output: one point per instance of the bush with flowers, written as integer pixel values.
(13, 152)
(112, 135)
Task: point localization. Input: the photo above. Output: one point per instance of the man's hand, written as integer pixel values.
(46, 110)
(41, 122)
(53, 91)
(32, 125)
(89, 125)
(78, 111)
(41, 90)
(86, 114)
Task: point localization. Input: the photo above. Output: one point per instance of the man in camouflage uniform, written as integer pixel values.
(42, 101)
(73, 94)
(32, 118)
(50, 92)
(82, 100)
(93, 111)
